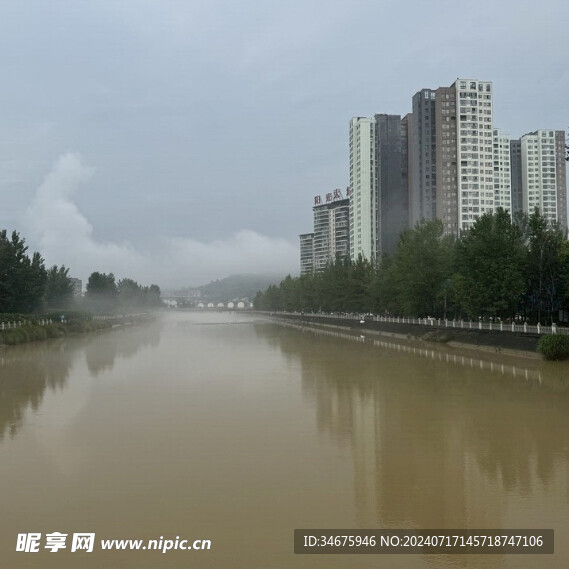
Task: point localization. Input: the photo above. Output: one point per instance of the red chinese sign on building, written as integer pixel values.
(331, 196)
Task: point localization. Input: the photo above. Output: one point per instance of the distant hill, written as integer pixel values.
(238, 286)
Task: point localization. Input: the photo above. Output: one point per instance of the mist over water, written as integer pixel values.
(235, 429)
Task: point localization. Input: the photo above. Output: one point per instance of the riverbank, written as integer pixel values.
(506, 343)
(39, 332)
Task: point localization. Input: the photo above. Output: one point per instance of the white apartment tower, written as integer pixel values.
(364, 204)
(544, 175)
(464, 142)
(502, 172)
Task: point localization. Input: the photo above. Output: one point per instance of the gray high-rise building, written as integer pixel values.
(516, 173)
(502, 171)
(561, 177)
(306, 253)
(446, 166)
(422, 158)
(393, 179)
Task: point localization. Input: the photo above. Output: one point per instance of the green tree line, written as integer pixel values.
(26, 286)
(500, 268)
(103, 294)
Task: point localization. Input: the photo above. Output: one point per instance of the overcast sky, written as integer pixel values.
(177, 141)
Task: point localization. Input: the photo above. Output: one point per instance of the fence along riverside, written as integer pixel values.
(495, 326)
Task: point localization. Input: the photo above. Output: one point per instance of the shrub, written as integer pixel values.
(554, 347)
(33, 332)
(12, 337)
(55, 330)
(37, 333)
(76, 326)
(440, 336)
(22, 335)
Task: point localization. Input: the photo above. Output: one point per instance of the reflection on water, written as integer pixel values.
(100, 356)
(555, 375)
(27, 371)
(439, 440)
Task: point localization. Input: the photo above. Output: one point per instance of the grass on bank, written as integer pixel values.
(554, 347)
(35, 333)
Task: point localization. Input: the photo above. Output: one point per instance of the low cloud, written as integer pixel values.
(245, 252)
(62, 233)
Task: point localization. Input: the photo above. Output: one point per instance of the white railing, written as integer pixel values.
(495, 325)
(9, 325)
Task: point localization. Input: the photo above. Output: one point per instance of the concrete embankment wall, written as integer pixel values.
(510, 343)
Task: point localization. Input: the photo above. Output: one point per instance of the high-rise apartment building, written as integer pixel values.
(502, 172)
(393, 180)
(363, 184)
(445, 160)
(331, 232)
(464, 153)
(447, 209)
(379, 180)
(516, 175)
(331, 237)
(306, 253)
(422, 158)
(561, 177)
(544, 174)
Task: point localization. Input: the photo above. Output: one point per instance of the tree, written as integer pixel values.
(259, 302)
(359, 283)
(333, 286)
(290, 298)
(59, 288)
(22, 280)
(417, 277)
(152, 295)
(129, 293)
(543, 267)
(489, 279)
(101, 291)
(272, 298)
(564, 261)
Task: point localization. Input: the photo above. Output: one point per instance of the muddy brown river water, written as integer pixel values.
(235, 429)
